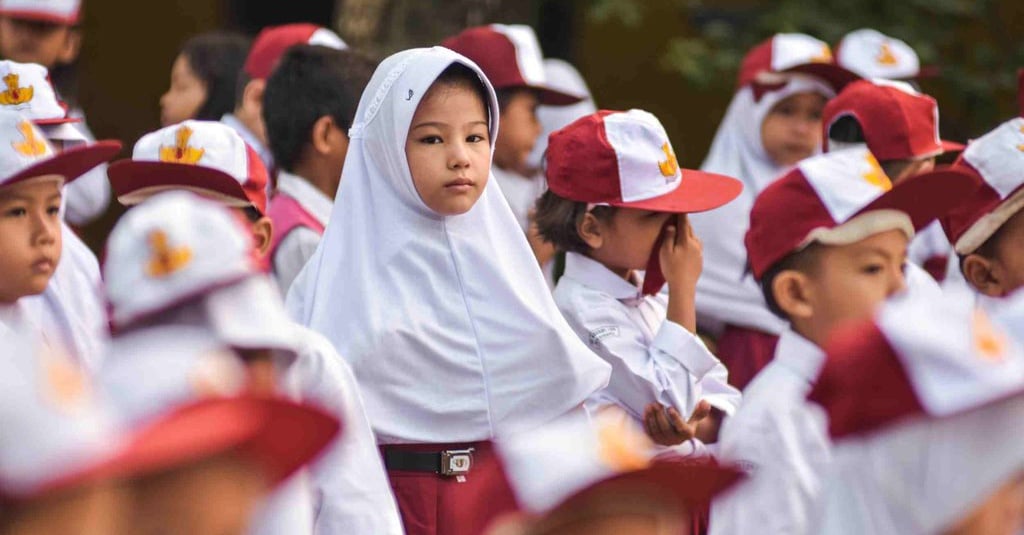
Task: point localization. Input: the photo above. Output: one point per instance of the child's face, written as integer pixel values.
(849, 282)
(212, 497)
(519, 130)
(27, 41)
(792, 129)
(30, 238)
(624, 242)
(1002, 513)
(448, 150)
(92, 510)
(184, 97)
(1001, 272)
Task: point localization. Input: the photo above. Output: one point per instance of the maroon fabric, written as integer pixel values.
(936, 266)
(432, 504)
(744, 352)
(287, 215)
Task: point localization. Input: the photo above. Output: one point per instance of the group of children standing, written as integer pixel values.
(487, 330)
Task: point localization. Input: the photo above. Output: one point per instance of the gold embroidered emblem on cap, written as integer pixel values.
(670, 166)
(33, 145)
(181, 152)
(165, 260)
(875, 175)
(885, 55)
(990, 342)
(15, 94)
(824, 55)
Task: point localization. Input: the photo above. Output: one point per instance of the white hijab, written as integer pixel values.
(446, 321)
(726, 293)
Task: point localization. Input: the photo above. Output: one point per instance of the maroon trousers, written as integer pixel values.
(432, 504)
(744, 352)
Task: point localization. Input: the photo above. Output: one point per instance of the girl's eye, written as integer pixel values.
(15, 212)
(476, 138)
(872, 269)
(53, 210)
(432, 140)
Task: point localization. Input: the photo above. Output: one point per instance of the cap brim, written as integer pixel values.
(63, 131)
(40, 16)
(697, 192)
(135, 181)
(280, 435)
(951, 146)
(684, 483)
(70, 164)
(833, 74)
(928, 196)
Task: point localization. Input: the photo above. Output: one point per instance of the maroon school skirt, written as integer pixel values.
(744, 352)
(435, 504)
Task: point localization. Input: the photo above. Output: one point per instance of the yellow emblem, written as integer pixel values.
(670, 166)
(875, 175)
(824, 55)
(33, 145)
(165, 260)
(885, 56)
(15, 94)
(621, 446)
(988, 341)
(1021, 146)
(181, 152)
(65, 385)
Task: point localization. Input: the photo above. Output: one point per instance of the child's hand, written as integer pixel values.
(681, 256)
(667, 428)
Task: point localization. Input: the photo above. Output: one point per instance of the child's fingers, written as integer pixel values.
(670, 238)
(662, 420)
(701, 411)
(678, 425)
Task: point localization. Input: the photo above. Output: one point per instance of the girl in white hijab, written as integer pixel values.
(426, 285)
(773, 121)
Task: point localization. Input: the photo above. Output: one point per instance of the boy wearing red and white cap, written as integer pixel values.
(987, 228)
(267, 49)
(900, 126)
(67, 463)
(617, 203)
(935, 446)
(827, 242)
(510, 57)
(181, 260)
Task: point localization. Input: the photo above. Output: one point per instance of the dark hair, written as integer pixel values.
(252, 213)
(311, 82)
(558, 219)
(216, 58)
(506, 94)
(805, 260)
(460, 75)
(846, 129)
(987, 249)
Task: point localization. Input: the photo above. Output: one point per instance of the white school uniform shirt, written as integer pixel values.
(928, 243)
(521, 193)
(296, 248)
(652, 359)
(782, 440)
(88, 196)
(250, 139)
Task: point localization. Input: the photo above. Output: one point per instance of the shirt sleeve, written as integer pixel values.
(88, 196)
(349, 481)
(669, 370)
(292, 254)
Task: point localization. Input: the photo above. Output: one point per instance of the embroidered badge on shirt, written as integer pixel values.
(181, 152)
(601, 333)
(15, 94)
(33, 145)
(165, 260)
(670, 166)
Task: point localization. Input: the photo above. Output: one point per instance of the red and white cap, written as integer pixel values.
(792, 53)
(206, 157)
(273, 41)
(25, 154)
(872, 54)
(178, 248)
(843, 197)
(625, 159)
(27, 89)
(997, 159)
(897, 121)
(510, 56)
(63, 12)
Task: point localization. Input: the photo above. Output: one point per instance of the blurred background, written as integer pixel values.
(675, 58)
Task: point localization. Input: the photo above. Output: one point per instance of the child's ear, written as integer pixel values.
(320, 135)
(589, 229)
(262, 232)
(983, 274)
(791, 289)
(252, 96)
(72, 46)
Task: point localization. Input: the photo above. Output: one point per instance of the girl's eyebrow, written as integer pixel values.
(440, 124)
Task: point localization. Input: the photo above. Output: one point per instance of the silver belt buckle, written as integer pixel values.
(456, 462)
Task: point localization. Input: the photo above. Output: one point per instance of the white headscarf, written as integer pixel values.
(726, 294)
(446, 321)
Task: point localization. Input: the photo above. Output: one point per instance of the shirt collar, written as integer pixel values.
(250, 138)
(593, 274)
(799, 355)
(307, 195)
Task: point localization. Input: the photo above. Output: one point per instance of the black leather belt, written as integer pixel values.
(446, 463)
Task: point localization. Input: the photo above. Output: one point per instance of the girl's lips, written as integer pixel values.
(43, 266)
(459, 183)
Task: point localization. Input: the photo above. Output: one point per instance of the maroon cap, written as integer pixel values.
(792, 53)
(274, 41)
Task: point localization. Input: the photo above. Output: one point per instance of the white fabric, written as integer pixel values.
(27, 89)
(872, 54)
(922, 476)
(845, 180)
(297, 247)
(445, 320)
(520, 192)
(325, 37)
(996, 155)
(726, 294)
(64, 9)
(781, 439)
(563, 77)
(930, 242)
(653, 360)
(647, 163)
(250, 139)
(89, 195)
(792, 49)
(528, 55)
(206, 143)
